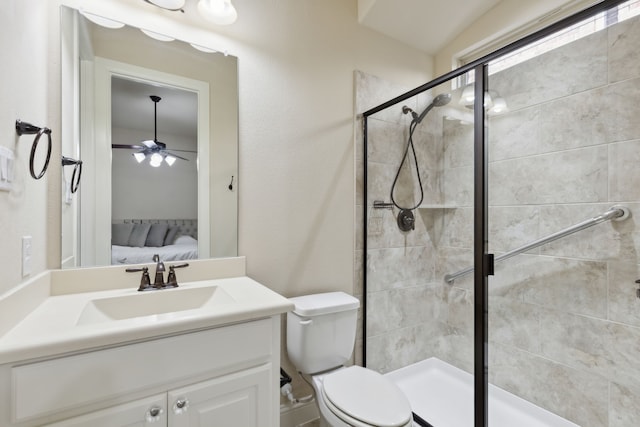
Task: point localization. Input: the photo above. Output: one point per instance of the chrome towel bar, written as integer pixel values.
(616, 213)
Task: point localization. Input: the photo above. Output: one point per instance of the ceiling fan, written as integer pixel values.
(154, 149)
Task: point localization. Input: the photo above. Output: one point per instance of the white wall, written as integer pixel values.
(296, 183)
(26, 93)
(296, 136)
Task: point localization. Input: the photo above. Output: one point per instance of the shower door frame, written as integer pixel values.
(482, 259)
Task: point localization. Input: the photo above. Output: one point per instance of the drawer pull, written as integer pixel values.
(180, 406)
(154, 413)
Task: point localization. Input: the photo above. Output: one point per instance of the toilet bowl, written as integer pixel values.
(320, 339)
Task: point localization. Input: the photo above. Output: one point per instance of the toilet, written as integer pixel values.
(321, 332)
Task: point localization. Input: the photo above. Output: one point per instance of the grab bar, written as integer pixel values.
(616, 213)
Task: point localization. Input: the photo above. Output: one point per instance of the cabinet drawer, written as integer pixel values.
(60, 384)
(134, 414)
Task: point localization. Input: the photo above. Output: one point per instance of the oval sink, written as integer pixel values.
(154, 303)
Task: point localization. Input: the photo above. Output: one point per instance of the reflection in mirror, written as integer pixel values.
(107, 103)
(154, 143)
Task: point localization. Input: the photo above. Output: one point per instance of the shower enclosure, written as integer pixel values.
(520, 265)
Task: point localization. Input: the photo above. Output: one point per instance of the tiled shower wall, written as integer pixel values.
(564, 319)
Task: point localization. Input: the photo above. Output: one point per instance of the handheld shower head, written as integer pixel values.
(442, 99)
(438, 101)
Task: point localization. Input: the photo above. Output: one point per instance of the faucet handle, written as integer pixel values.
(145, 281)
(172, 280)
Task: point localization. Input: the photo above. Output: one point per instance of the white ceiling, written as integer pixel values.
(131, 108)
(427, 25)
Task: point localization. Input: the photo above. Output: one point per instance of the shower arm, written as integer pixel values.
(616, 213)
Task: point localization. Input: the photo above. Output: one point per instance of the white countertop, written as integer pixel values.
(53, 327)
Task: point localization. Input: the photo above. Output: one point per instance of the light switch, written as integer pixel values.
(6, 168)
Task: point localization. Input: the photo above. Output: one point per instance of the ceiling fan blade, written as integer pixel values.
(185, 151)
(175, 155)
(133, 147)
(149, 143)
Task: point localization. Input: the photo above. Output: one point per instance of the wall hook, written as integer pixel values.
(24, 128)
(231, 184)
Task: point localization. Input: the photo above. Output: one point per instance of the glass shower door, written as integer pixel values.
(564, 322)
(419, 227)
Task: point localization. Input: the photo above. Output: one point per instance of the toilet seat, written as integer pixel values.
(362, 397)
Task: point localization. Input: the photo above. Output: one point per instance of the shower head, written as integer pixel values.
(442, 99)
(438, 101)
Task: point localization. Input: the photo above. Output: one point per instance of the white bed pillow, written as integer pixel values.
(185, 240)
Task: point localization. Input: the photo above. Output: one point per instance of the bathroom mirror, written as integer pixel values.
(108, 78)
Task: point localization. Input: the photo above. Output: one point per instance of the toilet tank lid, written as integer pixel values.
(325, 303)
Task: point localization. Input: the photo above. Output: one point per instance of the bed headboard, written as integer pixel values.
(187, 226)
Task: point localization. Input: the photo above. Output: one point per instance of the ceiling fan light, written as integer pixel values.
(219, 12)
(139, 157)
(155, 160)
(170, 159)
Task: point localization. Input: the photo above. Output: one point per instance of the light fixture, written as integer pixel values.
(153, 149)
(157, 36)
(168, 4)
(169, 159)
(468, 97)
(499, 106)
(140, 156)
(103, 22)
(155, 160)
(219, 12)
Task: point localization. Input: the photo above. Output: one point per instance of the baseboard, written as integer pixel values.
(298, 414)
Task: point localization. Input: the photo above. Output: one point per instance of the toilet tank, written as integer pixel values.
(321, 331)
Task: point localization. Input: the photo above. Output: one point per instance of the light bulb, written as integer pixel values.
(468, 96)
(155, 160)
(219, 12)
(170, 159)
(139, 156)
(499, 106)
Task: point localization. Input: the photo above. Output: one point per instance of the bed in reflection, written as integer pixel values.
(135, 241)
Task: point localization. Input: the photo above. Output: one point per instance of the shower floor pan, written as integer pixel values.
(443, 395)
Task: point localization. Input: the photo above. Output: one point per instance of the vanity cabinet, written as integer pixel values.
(224, 376)
(238, 399)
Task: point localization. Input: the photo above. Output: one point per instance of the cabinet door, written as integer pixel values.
(239, 399)
(149, 412)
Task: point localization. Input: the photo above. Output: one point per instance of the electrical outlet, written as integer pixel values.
(26, 255)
